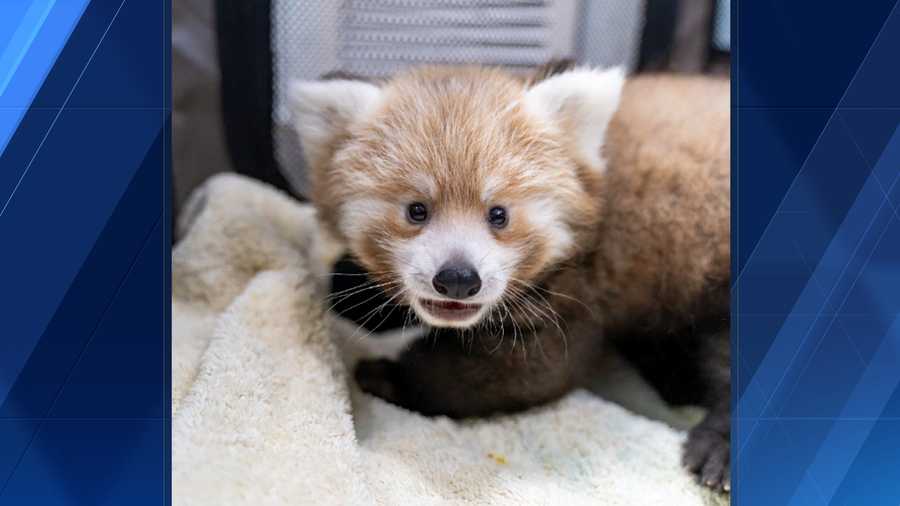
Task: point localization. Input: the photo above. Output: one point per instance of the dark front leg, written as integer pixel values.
(446, 374)
(707, 452)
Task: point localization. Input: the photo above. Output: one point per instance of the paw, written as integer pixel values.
(380, 378)
(707, 454)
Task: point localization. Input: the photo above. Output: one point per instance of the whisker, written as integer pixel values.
(554, 293)
(362, 302)
(371, 314)
(365, 286)
(344, 297)
(543, 311)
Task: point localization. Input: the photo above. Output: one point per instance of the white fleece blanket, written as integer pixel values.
(265, 411)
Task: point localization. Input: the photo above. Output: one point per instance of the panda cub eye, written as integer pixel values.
(497, 217)
(417, 213)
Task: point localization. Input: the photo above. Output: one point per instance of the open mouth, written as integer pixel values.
(450, 310)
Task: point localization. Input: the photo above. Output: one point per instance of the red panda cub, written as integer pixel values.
(529, 220)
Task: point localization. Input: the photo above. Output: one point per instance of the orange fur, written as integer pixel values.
(649, 235)
(633, 245)
(454, 128)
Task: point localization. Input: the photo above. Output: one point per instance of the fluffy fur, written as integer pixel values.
(460, 141)
(618, 203)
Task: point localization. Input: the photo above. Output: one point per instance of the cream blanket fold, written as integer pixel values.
(266, 412)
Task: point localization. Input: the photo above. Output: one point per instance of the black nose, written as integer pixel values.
(458, 281)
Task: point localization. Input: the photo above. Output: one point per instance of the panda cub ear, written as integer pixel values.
(580, 102)
(324, 110)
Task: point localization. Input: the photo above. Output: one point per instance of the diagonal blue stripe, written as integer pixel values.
(117, 138)
(790, 187)
(871, 394)
(57, 347)
(870, 480)
(68, 236)
(822, 430)
(60, 111)
(22, 39)
(94, 308)
(780, 358)
(32, 48)
(59, 391)
(885, 220)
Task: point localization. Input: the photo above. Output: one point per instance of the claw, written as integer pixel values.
(707, 455)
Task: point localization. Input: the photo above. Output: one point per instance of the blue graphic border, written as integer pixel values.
(84, 255)
(816, 252)
(85, 111)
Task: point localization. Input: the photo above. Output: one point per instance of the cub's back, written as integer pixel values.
(664, 242)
